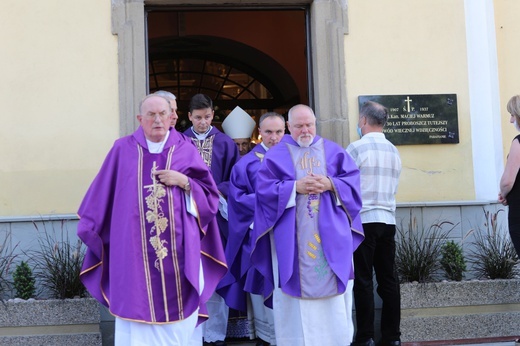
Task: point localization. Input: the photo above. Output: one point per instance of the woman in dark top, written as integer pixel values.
(510, 181)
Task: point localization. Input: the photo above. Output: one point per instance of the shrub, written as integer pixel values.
(418, 250)
(6, 260)
(493, 255)
(58, 264)
(452, 261)
(23, 281)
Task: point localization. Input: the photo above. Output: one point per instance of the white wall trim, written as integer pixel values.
(38, 218)
(486, 133)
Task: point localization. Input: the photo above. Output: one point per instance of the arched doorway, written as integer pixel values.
(230, 72)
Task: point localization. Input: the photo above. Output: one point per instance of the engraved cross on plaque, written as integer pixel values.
(408, 101)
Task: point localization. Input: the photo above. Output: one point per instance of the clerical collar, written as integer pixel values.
(202, 136)
(264, 146)
(157, 148)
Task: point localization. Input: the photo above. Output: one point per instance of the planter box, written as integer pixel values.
(460, 310)
(50, 322)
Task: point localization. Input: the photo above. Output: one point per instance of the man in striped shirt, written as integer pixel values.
(380, 166)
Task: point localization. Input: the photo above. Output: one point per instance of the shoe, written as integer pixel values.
(369, 342)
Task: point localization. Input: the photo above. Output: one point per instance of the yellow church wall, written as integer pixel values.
(410, 47)
(507, 23)
(59, 95)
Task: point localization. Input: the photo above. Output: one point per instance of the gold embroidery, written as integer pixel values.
(155, 216)
(260, 156)
(307, 163)
(205, 149)
(321, 265)
(311, 255)
(314, 247)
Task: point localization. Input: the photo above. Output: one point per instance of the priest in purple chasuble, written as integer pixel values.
(154, 254)
(306, 228)
(242, 277)
(220, 154)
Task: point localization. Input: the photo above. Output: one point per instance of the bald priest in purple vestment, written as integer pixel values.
(154, 253)
(306, 228)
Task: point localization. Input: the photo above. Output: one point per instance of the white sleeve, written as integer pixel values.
(190, 205)
(292, 199)
(222, 207)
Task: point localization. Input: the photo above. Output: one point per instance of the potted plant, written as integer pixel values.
(418, 250)
(493, 255)
(61, 314)
(435, 310)
(57, 264)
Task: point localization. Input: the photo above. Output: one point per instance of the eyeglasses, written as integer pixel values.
(163, 115)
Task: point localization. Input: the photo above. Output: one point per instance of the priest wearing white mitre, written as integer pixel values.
(239, 126)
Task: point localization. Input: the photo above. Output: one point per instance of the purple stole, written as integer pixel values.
(317, 278)
(157, 220)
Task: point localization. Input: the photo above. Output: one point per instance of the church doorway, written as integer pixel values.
(323, 28)
(253, 58)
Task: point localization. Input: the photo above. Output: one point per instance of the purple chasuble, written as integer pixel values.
(144, 250)
(220, 154)
(338, 224)
(241, 208)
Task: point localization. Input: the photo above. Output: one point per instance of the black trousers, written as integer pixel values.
(377, 252)
(513, 219)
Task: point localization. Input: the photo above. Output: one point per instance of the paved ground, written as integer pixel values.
(505, 343)
(461, 343)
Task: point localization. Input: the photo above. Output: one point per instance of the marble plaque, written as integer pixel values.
(419, 119)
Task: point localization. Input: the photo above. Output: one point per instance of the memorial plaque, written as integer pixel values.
(419, 119)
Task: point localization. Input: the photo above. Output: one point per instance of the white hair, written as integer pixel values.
(166, 94)
(289, 115)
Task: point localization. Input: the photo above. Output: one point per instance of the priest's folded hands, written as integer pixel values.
(313, 183)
